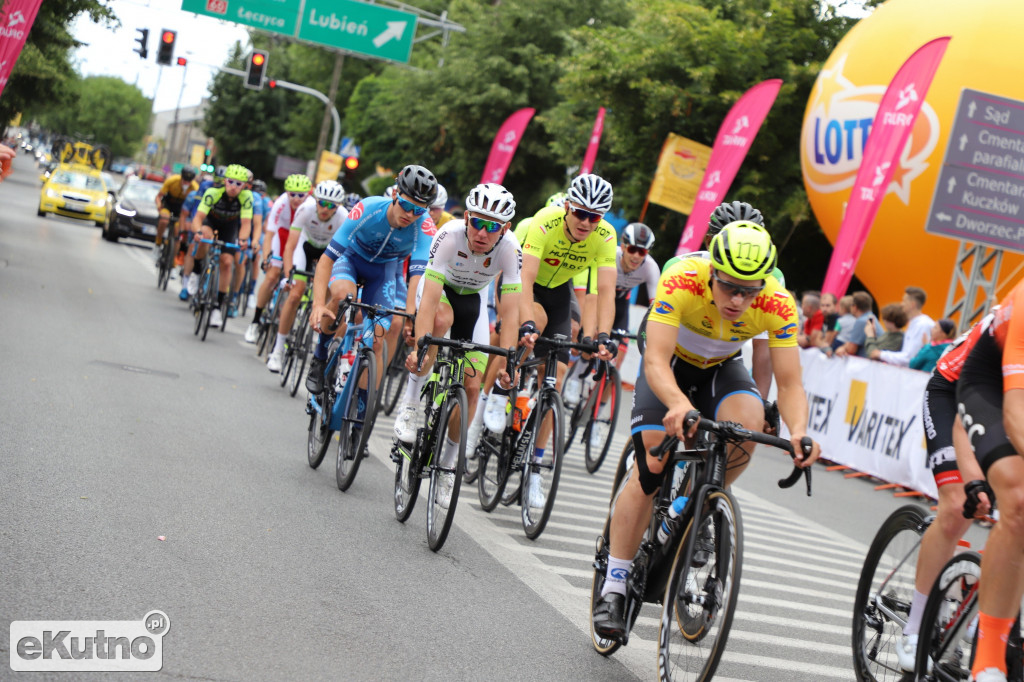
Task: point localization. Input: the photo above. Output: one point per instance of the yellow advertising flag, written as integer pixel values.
(328, 168)
(197, 157)
(680, 171)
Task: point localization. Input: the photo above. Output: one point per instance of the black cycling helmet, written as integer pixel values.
(188, 173)
(259, 186)
(730, 212)
(417, 183)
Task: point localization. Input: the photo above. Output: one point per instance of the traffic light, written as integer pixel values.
(257, 67)
(165, 51)
(182, 61)
(352, 163)
(142, 40)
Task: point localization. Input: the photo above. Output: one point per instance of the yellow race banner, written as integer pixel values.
(680, 172)
(329, 167)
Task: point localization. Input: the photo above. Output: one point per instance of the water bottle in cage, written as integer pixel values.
(344, 367)
(668, 523)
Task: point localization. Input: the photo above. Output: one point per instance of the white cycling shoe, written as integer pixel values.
(494, 412)
(405, 423)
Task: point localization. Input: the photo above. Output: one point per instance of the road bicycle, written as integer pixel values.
(510, 455)
(447, 418)
(396, 375)
(300, 338)
(168, 250)
(595, 416)
(348, 403)
(247, 282)
(694, 575)
(206, 298)
(269, 319)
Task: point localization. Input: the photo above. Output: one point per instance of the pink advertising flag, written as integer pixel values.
(16, 19)
(887, 140)
(595, 142)
(734, 138)
(504, 146)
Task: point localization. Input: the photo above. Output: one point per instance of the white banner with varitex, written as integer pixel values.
(867, 416)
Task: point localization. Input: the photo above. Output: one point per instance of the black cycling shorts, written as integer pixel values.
(557, 303)
(621, 314)
(226, 232)
(939, 412)
(979, 397)
(706, 388)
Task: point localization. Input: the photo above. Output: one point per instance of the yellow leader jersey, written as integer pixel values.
(684, 300)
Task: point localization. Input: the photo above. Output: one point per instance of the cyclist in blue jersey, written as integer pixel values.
(367, 249)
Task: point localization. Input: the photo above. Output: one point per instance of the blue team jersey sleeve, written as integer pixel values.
(421, 248)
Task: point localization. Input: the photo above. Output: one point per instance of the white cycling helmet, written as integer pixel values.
(638, 234)
(390, 192)
(592, 192)
(442, 197)
(329, 190)
(493, 201)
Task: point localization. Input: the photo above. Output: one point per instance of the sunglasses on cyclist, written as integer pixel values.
(234, 183)
(636, 249)
(410, 207)
(324, 203)
(586, 216)
(297, 195)
(491, 226)
(732, 290)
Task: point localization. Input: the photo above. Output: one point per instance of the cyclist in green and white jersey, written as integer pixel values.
(315, 222)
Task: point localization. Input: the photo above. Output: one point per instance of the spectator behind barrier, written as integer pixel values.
(893, 319)
(943, 334)
(813, 319)
(830, 322)
(845, 322)
(861, 310)
(918, 332)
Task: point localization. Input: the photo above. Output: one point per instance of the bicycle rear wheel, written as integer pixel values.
(884, 592)
(301, 357)
(595, 448)
(540, 476)
(319, 437)
(355, 429)
(441, 511)
(948, 634)
(700, 598)
(492, 470)
(397, 376)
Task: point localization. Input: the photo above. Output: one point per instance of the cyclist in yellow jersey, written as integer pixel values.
(437, 212)
(704, 310)
(560, 242)
(171, 198)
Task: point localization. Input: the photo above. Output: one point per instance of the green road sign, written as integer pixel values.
(372, 30)
(276, 16)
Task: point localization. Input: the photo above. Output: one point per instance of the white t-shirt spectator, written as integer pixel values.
(916, 337)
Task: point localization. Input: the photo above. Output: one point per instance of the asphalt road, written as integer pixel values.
(143, 469)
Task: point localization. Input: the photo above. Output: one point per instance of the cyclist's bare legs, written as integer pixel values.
(291, 306)
(266, 290)
(161, 225)
(1002, 564)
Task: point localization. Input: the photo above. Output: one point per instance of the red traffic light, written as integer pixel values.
(258, 59)
(167, 36)
(272, 83)
(351, 162)
(182, 61)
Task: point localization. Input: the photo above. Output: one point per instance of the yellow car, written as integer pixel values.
(75, 191)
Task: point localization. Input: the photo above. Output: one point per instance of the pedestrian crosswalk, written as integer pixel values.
(797, 589)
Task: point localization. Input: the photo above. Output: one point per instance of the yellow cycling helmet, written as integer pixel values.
(237, 172)
(744, 250)
(297, 182)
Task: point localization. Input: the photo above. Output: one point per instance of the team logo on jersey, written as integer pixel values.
(487, 262)
(428, 226)
(708, 323)
(663, 308)
(739, 323)
(779, 304)
(786, 332)
(684, 282)
(357, 212)
(462, 255)
(553, 262)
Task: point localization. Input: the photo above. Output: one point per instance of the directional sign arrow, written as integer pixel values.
(944, 217)
(963, 141)
(970, 109)
(394, 30)
(952, 185)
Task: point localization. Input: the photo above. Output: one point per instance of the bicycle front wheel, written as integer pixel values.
(884, 592)
(700, 598)
(446, 476)
(949, 623)
(301, 357)
(597, 437)
(356, 423)
(319, 437)
(540, 475)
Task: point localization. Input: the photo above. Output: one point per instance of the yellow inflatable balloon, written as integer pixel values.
(986, 53)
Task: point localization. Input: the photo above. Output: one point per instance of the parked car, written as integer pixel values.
(74, 191)
(133, 211)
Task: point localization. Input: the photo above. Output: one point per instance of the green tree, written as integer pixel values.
(109, 111)
(43, 75)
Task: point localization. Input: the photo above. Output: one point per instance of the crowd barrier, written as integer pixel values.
(867, 416)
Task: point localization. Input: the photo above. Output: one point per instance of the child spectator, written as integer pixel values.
(943, 334)
(861, 310)
(844, 325)
(893, 319)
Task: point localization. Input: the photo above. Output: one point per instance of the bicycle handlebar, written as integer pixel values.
(559, 342)
(374, 310)
(731, 432)
(466, 346)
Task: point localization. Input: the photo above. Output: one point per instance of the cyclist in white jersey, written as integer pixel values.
(276, 231)
(315, 222)
(465, 257)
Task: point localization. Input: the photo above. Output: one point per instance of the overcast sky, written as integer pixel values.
(202, 40)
